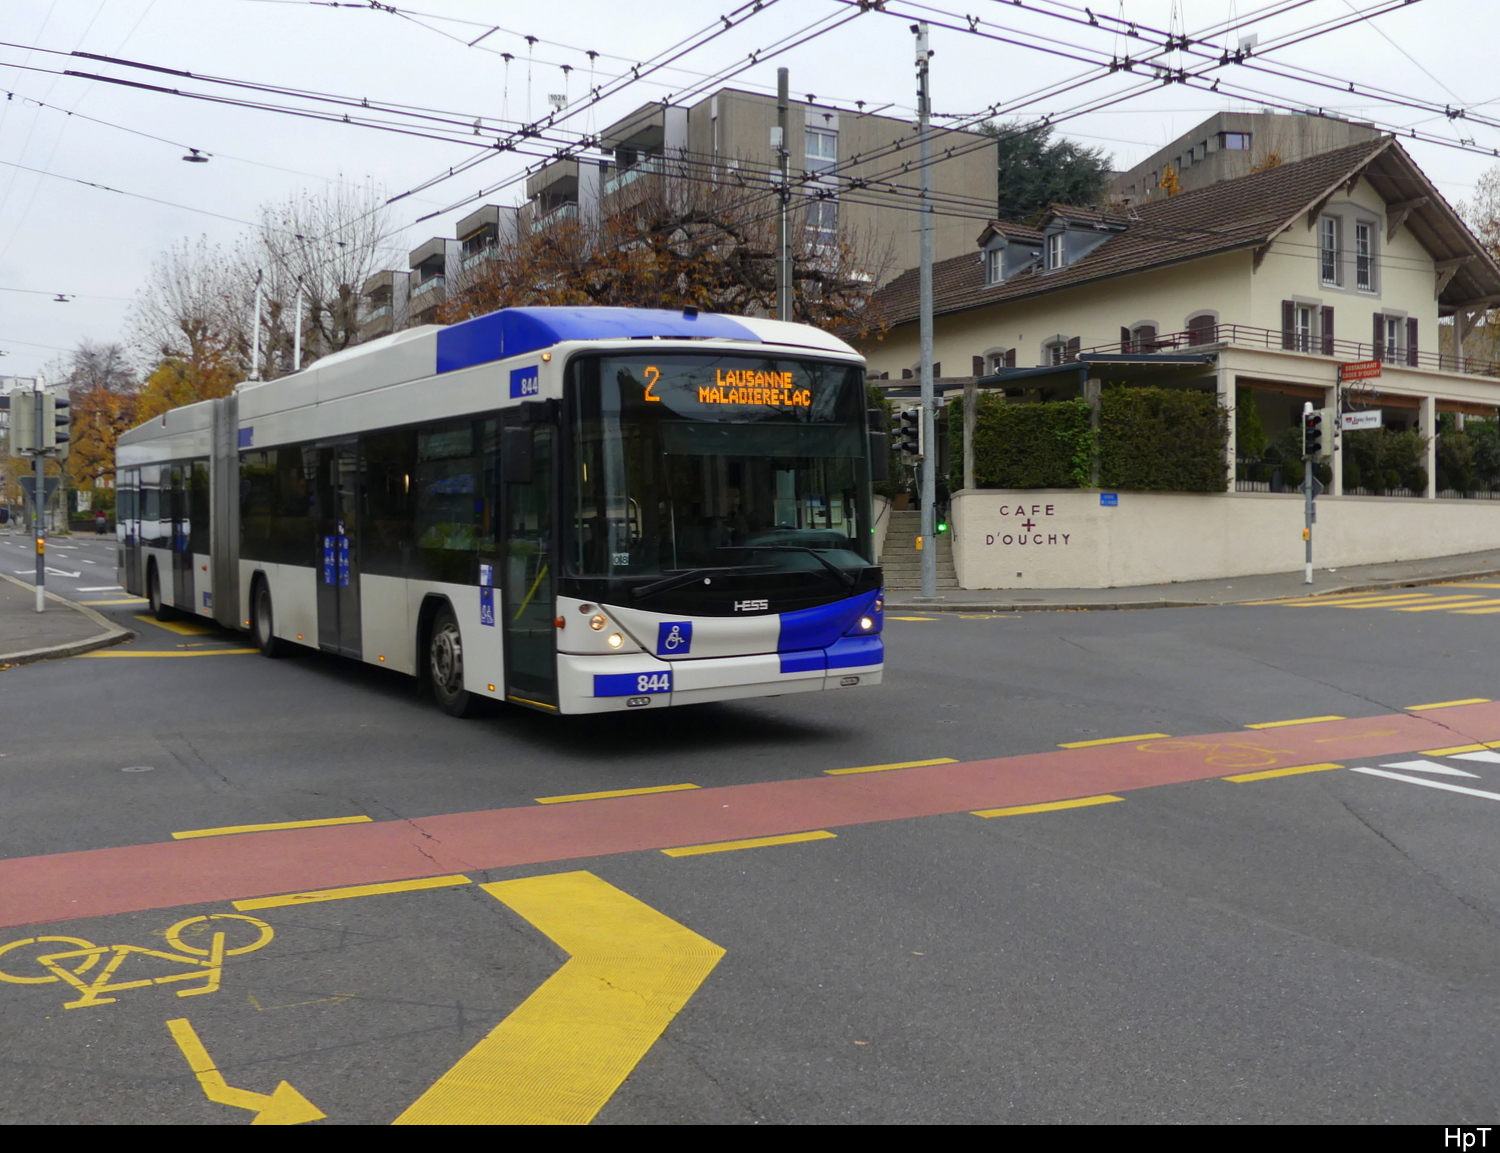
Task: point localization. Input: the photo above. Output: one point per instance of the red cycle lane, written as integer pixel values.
(64, 886)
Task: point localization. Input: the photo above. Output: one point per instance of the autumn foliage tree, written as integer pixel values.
(669, 241)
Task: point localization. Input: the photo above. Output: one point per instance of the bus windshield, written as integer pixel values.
(692, 462)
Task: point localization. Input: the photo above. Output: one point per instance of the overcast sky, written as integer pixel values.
(96, 246)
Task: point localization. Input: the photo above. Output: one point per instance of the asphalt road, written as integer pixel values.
(1310, 947)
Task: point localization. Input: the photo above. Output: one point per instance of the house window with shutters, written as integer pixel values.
(1055, 250)
(1307, 327)
(994, 360)
(1139, 337)
(1203, 328)
(1395, 338)
(1328, 250)
(1059, 350)
(994, 266)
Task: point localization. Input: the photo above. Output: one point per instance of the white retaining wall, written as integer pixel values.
(1071, 538)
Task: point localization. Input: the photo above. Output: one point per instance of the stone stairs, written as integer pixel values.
(901, 560)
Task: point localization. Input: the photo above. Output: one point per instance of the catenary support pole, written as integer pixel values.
(255, 331)
(784, 198)
(297, 330)
(39, 503)
(929, 458)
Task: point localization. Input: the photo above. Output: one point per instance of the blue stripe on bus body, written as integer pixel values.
(821, 625)
(851, 652)
(814, 660)
(517, 331)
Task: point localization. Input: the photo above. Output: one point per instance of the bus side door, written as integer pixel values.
(338, 548)
(528, 487)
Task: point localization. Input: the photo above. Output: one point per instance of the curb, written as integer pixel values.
(113, 634)
(1106, 606)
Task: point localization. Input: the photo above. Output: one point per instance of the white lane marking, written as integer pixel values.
(1488, 756)
(117, 588)
(1430, 784)
(1427, 767)
(62, 572)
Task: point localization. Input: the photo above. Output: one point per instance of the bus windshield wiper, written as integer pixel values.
(844, 578)
(677, 580)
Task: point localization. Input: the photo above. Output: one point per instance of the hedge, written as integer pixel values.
(1047, 445)
(1162, 440)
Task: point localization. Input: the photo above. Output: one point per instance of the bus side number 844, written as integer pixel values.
(654, 683)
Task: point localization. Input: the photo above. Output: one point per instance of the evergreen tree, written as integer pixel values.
(1036, 170)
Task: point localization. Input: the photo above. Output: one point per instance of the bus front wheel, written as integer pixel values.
(263, 623)
(445, 665)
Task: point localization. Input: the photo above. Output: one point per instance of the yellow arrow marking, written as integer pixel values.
(283, 1106)
(562, 1054)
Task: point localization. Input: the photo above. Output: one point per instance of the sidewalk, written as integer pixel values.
(63, 630)
(1188, 594)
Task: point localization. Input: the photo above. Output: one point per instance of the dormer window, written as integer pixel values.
(994, 265)
(1055, 250)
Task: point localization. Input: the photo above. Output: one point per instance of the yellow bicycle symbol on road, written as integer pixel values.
(76, 957)
(1223, 754)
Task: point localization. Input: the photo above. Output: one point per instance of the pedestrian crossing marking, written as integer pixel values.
(1439, 599)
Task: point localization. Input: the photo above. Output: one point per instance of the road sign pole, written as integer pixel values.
(38, 517)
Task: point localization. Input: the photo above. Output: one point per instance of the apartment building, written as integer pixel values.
(727, 139)
(1229, 145)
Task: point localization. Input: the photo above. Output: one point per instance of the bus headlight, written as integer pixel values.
(614, 640)
(597, 621)
(866, 624)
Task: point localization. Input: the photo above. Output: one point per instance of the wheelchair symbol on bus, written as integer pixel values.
(674, 638)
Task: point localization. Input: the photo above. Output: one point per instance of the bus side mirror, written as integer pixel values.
(515, 455)
(880, 456)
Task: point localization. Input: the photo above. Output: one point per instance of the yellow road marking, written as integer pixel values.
(194, 653)
(1298, 721)
(562, 1054)
(1447, 606)
(190, 834)
(887, 768)
(1480, 612)
(914, 618)
(1449, 704)
(351, 891)
(1050, 806)
(126, 601)
(1112, 740)
(1369, 599)
(181, 628)
(1462, 749)
(980, 616)
(284, 1106)
(1268, 774)
(752, 843)
(1467, 585)
(613, 793)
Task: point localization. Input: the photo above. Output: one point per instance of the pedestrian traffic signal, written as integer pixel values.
(1312, 434)
(909, 432)
(56, 422)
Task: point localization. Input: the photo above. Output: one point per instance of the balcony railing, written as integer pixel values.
(473, 258)
(628, 176)
(556, 216)
(376, 313)
(1246, 336)
(428, 285)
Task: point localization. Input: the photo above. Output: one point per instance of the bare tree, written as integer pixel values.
(189, 309)
(672, 239)
(329, 243)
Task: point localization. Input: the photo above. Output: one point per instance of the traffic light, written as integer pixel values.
(22, 423)
(56, 422)
(1313, 434)
(909, 432)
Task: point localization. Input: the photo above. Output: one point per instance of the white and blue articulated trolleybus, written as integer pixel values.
(577, 510)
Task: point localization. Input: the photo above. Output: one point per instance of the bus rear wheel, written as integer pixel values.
(445, 665)
(159, 607)
(263, 623)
